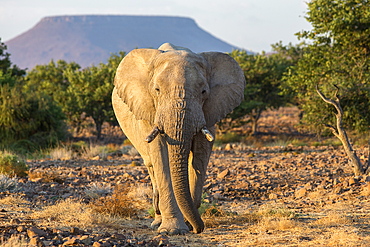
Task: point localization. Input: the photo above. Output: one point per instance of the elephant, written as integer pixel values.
(167, 102)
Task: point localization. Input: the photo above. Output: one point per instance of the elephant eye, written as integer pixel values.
(204, 91)
(157, 90)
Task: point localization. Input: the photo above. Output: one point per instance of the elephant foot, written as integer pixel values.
(173, 226)
(189, 225)
(157, 222)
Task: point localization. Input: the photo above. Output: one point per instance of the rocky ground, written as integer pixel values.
(255, 195)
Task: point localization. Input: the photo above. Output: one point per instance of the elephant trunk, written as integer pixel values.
(178, 159)
(179, 132)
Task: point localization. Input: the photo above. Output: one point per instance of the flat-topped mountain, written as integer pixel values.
(91, 39)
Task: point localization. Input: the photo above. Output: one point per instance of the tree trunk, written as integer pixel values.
(255, 116)
(341, 134)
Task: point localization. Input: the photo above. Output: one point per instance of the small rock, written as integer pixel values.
(339, 171)
(71, 241)
(95, 158)
(35, 241)
(36, 180)
(338, 190)
(97, 244)
(301, 192)
(119, 236)
(223, 174)
(48, 243)
(161, 240)
(76, 231)
(352, 181)
(366, 190)
(15, 221)
(273, 196)
(21, 228)
(228, 147)
(308, 186)
(336, 181)
(218, 196)
(345, 183)
(36, 232)
(86, 240)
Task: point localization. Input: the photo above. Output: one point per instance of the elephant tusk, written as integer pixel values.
(208, 134)
(152, 135)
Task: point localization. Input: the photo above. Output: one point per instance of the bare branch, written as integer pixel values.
(330, 101)
(340, 132)
(333, 129)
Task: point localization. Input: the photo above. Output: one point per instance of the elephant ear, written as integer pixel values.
(227, 82)
(132, 83)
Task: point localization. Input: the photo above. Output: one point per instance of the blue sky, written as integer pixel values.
(249, 24)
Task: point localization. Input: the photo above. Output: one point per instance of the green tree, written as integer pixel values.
(27, 120)
(79, 92)
(263, 73)
(6, 66)
(92, 89)
(50, 79)
(337, 54)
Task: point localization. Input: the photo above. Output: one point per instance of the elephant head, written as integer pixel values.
(179, 93)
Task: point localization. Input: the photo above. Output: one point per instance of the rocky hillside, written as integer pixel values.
(91, 39)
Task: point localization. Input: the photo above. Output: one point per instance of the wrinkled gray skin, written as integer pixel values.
(163, 99)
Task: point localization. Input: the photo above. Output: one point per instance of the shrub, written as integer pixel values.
(12, 165)
(29, 116)
(98, 190)
(7, 183)
(120, 203)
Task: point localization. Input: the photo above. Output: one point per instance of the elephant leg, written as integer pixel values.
(172, 220)
(136, 131)
(198, 161)
(158, 218)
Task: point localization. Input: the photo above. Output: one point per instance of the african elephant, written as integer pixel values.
(167, 101)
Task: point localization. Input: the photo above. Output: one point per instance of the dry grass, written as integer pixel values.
(74, 214)
(142, 193)
(13, 200)
(333, 219)
(97, 190)
(276, 225)
(268, 224)
(8, 183)
(345, 237)
(69, 213)
(276, 211)
(94, 150)
(215, 217)
(61, 153)
(120, 204)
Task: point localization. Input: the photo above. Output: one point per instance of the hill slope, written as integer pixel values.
(91, 39)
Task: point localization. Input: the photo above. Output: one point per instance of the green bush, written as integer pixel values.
(11, 165)
(29, 120)
(228, 137)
